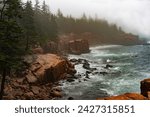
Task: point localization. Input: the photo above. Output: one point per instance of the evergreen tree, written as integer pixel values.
(37, 20)
(28, 24)
(46, 26)
(53, 28)
(10, 38)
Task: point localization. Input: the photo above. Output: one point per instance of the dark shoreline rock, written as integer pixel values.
(145, 87)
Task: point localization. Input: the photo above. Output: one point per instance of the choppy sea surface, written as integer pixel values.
(131, 64)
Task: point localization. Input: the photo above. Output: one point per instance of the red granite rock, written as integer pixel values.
(126, 96)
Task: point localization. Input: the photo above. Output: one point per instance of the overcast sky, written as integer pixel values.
(132, 15)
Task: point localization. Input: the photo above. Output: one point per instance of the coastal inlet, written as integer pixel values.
(108, 70)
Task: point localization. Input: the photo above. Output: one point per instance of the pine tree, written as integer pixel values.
(10, 38)
(28, 24)
(54, 28)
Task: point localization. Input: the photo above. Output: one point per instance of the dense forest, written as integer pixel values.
(24, 26)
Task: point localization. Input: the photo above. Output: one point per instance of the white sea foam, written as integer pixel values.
(104, 47)
(124, 76)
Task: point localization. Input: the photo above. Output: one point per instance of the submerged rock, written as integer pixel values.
(86, 65)
(108, 66)
(73, 60)
(70, 80)
(103, 73)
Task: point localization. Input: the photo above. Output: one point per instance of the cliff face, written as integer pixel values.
(48, 68)
(40, 82)
(74, 46)
(95, 39)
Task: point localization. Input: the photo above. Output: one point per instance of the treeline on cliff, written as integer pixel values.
(95, 30)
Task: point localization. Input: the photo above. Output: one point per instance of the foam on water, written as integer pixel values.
(130, 66)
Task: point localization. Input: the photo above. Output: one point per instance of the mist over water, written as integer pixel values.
(131, 15)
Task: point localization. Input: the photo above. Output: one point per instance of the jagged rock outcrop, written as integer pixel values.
(19, 88)
(75, 46)
(48, 68)
(78, 46)
(145, 87)
(126, 96)
(39, 83)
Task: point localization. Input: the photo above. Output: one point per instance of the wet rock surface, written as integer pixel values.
(43, 74)
(90, 70)
(74, 46)
(145, 87)
(15, 90)
(41, 80)
(126, 96)
(48, 68)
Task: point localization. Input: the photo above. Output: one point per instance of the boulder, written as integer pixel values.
(126, 96)
(86, 65)
(145, 87)
(49, 68)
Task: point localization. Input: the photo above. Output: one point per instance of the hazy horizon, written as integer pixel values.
(131, 15)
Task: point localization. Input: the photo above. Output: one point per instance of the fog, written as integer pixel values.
(131, 15)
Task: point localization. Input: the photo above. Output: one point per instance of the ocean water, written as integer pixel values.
(131, 64)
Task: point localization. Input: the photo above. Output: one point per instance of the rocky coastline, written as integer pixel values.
(44, 71)
(41, 78)
(38, 85)
(144, 84)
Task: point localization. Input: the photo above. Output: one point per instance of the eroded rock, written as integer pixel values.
(29, 95)
(31, 78)
(49, 68)
(35, 90)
